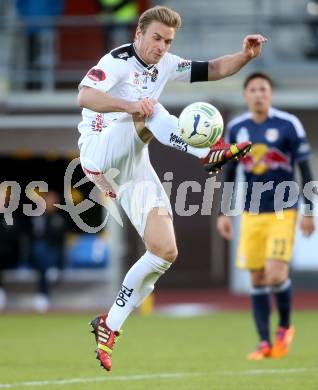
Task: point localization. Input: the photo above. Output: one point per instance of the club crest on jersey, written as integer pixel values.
(96, 74)
(154, 75)
(271, 135)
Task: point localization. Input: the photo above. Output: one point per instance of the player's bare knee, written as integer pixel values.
(166, 251)
(171, 254)
(275, 278)
(276, 273)
(258, 278)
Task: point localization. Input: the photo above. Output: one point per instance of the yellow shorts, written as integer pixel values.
(264, 236)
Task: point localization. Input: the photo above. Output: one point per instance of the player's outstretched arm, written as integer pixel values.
(229, 64)
(99, 101)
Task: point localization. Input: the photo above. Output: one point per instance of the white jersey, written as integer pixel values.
(110, 140)
(123, 74)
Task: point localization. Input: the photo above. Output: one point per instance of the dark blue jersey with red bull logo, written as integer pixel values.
(278, 143)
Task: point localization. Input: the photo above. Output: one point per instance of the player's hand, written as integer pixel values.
(225, 227)
(307, 225)
(252, 45)
(143, 108)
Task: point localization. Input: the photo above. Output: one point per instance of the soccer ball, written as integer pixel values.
(200, 125)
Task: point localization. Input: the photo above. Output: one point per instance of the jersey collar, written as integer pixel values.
(139, 59)
(271, 112)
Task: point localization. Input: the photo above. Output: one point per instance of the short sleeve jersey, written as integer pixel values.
(123, 74)
(278, 143)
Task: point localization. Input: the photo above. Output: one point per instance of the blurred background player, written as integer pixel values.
(10, 242)
(120, 19)
(47, 248)
(127, 81)
(38, 19)
(266, 241)
(312, 22)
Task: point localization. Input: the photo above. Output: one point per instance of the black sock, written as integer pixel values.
(43, 283)
(261, 306)
(283, 296)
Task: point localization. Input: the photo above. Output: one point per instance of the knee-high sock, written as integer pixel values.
(260, 297)
(164, 127)
(283, 296)
(137, 285)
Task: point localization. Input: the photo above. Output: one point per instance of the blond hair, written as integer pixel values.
(161, 14)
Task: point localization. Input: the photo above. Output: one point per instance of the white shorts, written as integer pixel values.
(136, 184)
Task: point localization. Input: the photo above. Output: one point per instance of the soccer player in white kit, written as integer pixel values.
(120, 116)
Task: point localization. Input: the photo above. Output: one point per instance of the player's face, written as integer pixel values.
(258, 95)
(154, 42)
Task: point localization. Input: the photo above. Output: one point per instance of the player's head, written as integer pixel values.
(258, 91)
(155, 33)
(51, 198)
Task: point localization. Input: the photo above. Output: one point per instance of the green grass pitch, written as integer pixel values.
(157, 352)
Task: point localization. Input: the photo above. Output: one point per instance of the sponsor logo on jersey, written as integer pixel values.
(96, 74)
(136, 80)
(97, 124)
(242, 135)
(262, 158)
(123, 55)
(183, 66)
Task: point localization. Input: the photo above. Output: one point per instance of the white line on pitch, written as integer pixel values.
(123, 378)
(274, 371)
(176, 375)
